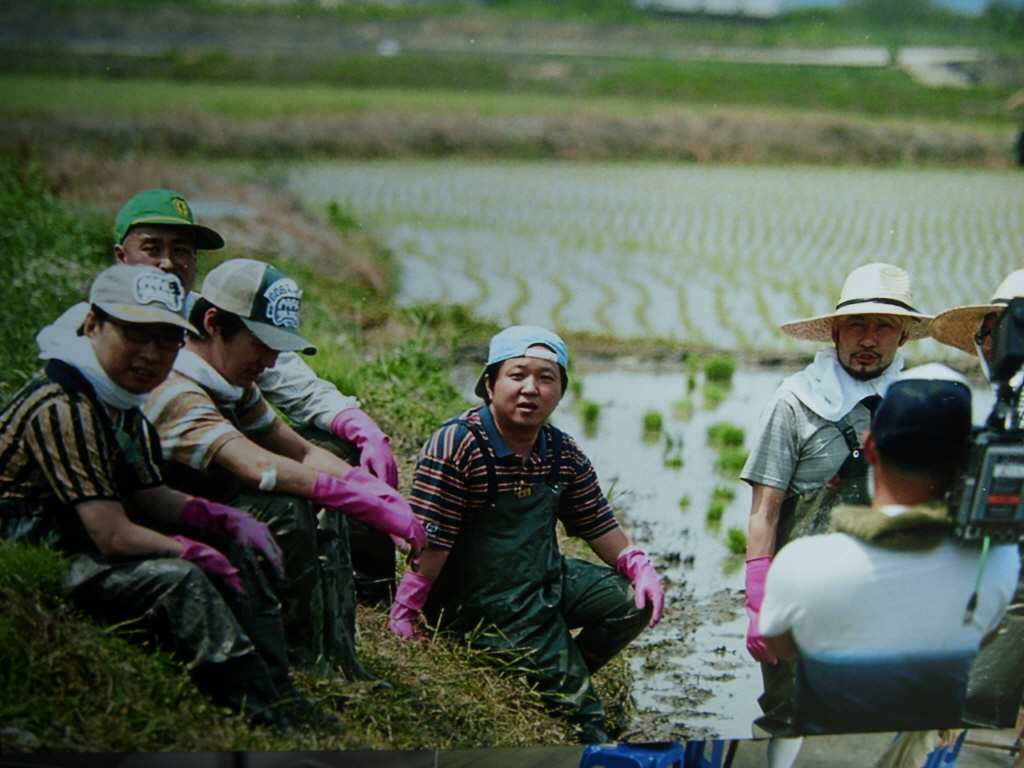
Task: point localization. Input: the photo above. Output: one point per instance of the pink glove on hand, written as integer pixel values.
(375, 455)
(635, 566)
(240, 526)
(211, 562)
(409, 601)
(757, 572)
(364, 497)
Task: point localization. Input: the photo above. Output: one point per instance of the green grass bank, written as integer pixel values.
(70, 684)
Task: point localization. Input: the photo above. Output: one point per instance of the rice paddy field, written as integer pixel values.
(709, 255)
(718, 256)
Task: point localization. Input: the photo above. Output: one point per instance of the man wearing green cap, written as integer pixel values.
(490, 487)
(201, 593)
(221, 438)
(157, 227)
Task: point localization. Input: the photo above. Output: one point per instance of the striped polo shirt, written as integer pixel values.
(59, 445)
(451, 480)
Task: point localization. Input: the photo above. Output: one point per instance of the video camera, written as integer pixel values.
(988, 500)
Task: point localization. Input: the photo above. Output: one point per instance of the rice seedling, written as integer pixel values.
(731, 460)
(684, 502)
(725, 435)
(713, 394)
(672, 456)
(720, 369)
(653, 422)
(736, 540)
(715, 511)
(682, 410)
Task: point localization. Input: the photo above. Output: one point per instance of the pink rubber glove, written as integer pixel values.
(364, 497)
(757, 572)
(240, 526)
(635, 566)
(375, 454)
(409, 601)
(211, 562)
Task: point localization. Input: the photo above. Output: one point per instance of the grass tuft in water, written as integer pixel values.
(736, 540)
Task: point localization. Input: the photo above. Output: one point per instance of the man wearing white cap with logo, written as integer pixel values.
(490, 487)
(996, 683)
(807, 458)
(158, 228)
(80, 472)
(219, 435)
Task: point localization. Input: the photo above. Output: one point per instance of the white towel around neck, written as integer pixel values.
(828, 390)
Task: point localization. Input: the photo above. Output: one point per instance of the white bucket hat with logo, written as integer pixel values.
(956, 327)
(266, 300)
(873, 289)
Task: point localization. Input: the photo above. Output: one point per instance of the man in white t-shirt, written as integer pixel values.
(878, 611)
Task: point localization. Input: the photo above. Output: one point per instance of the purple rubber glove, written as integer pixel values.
(375, 454)
(240, 526)
(647, 590)
(757, 572)
(409, 600)
(211, 562)
(364, 497)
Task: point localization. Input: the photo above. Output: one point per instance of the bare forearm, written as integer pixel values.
(609, 546)
(765, 506)
(431, 562)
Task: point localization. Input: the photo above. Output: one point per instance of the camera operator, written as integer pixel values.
(995, 686)
(875, 611)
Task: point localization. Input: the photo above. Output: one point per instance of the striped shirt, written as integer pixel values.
(450, 484)
(195, 422)
(58, 443)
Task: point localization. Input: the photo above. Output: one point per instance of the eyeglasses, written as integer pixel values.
(168, 341)
(988, 323)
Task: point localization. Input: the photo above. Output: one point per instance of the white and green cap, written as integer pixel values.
(140, 294)
(266, 300)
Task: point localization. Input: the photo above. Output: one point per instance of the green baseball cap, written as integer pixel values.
(163, 206)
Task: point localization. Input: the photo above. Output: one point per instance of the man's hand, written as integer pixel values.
(211, 562)
(647, 590)
(364, 497)
(410, 597)
(375, 454)
(240, 526)
(757, 572)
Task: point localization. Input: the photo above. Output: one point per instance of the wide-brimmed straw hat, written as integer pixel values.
(956, 327)
(874, 289)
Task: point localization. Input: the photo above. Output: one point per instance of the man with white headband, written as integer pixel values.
(996, 683)
(807, 454)
(78, 456)
(490, 487)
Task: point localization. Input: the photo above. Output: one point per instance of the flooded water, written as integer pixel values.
(715, 254)
(693, 675)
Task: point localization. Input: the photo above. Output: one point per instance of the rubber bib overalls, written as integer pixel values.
(506, 586)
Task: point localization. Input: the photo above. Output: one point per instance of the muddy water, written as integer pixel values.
(693, 675)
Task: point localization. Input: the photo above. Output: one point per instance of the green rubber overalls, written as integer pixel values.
(506, 586)
(805, 514)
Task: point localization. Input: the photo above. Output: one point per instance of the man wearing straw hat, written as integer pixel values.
(996, 683)
(807, 457)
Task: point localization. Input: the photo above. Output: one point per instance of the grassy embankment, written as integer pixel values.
(67, 683)
(519, 80)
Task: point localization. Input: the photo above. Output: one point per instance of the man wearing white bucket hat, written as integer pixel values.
(490, 487)
(807, 457)
(996, 683)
